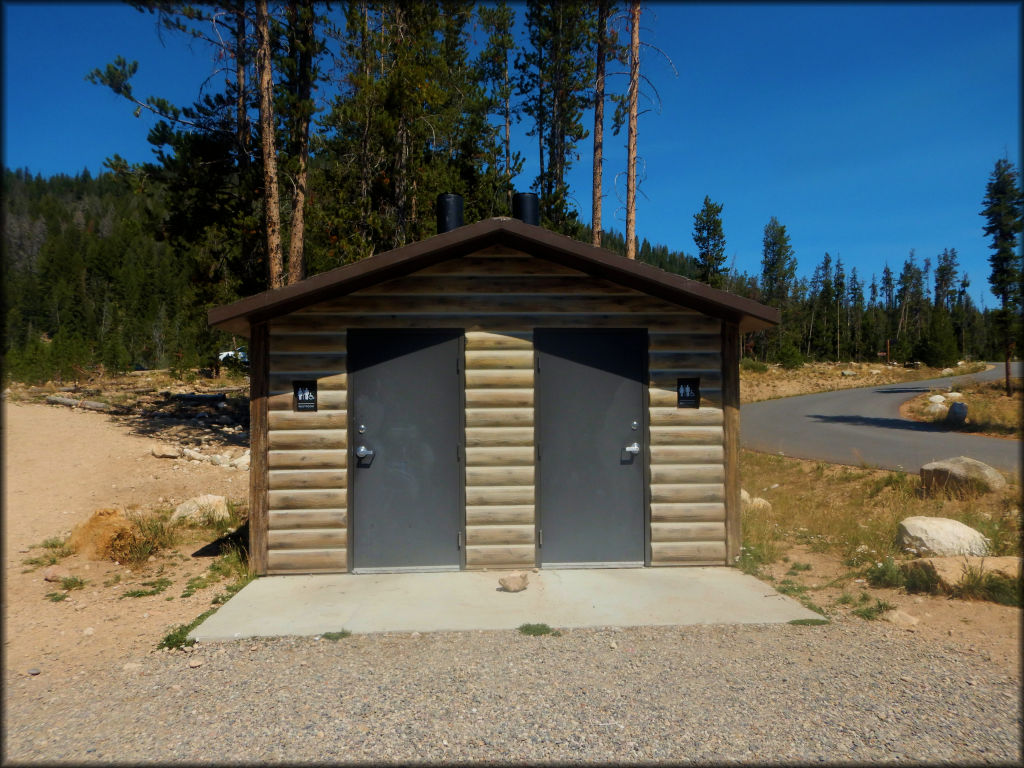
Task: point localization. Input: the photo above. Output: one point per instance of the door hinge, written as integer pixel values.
(458, 540)
(538, 451)
(458, 452)
(540, 537)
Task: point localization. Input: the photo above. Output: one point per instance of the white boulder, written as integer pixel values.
(961, 474)
(940, 536)
(937, 399)
(201, 507)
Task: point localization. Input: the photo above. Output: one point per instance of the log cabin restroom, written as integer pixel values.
(496, 396)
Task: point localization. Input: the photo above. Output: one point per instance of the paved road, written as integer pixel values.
(864, 426)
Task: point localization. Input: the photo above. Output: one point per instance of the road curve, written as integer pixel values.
(863, 426)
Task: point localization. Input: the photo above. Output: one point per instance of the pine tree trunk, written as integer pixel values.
(241, 113)
(508, 137)
(271, 199)
(602, 23)
(634, 88)
(302, 34)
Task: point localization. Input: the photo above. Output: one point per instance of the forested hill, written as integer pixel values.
(93, 275)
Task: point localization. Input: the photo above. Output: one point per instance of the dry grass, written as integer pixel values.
(775, 381)
(989, 410)
(854, 512)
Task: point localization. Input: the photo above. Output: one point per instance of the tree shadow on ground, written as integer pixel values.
(877, 421)
(237, 538)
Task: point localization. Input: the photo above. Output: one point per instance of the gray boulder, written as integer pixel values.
(961, 475)
(940, 536)
(957, 414)
(163, 451)
(196, 509)
(935, 410)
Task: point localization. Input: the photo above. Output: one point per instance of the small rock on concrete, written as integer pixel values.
(514, 582)
(901, 619)
(164, 451)
(940, 536)
(195, 662)
(957, 414)
(196, 508)
(56, 573)
(961, 474)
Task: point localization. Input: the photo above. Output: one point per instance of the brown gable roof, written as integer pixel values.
(511, 233)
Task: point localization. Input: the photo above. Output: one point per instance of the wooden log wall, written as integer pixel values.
(497, 297)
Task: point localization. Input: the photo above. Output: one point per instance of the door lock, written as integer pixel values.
(634, 448)
(362, 452)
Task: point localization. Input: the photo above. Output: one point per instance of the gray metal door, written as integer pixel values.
(591, 427)
(405, 449)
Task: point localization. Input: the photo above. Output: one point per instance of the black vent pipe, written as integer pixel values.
(526, 208)
(449, 212)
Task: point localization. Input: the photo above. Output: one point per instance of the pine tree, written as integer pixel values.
(709, 238)
(1004, 216)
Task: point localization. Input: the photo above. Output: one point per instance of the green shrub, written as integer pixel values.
(790, 357)
(996, 587)
(535, 630)
(872, 612)
(335, 636)
(919, 577)
(156, 586)
(178, 636)
(72, 582)
(885, 574)
(752, 365)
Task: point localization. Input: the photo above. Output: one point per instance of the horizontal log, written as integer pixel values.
(499, 417)
(312, 439)
(484, 476)
(508, 514)
(462, 285)
(281, 381)
(316, 499)
(360, 304)
(494, 437)
(686, 435)
(552, 317)
(668, 341)
(687, 493)
(326, 400)
(686, 417)
(688, 513)
(710, 397)
(320, 419)
(666, 532)
(686, 454)
(313, 538)
(499, 398)
(299, 479)
(508, 535)
(664, 378)
(687, 473)
(684, 359)
(490, 379)
(302, 459)
(501, 359)
(479, 340)
(499, 495)
(306, 343)
(501, 556)
(499, 251)
(500, 457)
(688, 552)
(303, 363)
(492, 266)
(291, 519)
(307, 561)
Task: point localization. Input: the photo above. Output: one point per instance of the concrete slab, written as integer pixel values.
(468, 600)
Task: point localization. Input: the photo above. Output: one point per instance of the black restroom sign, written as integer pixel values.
(688, 391)
(305, 395)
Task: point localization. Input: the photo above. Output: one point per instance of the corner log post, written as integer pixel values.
(731, 438)
(259, 482)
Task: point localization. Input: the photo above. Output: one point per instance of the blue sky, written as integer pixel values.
(867, 129)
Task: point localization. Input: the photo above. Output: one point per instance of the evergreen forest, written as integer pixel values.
(254, 186)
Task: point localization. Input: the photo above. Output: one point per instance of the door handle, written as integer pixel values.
(362, 452)
(634, 448)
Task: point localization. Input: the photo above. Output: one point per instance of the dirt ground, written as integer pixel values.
(61, 464)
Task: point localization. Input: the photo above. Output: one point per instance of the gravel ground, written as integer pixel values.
(850, 691)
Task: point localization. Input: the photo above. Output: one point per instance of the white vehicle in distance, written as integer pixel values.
(240, 356)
